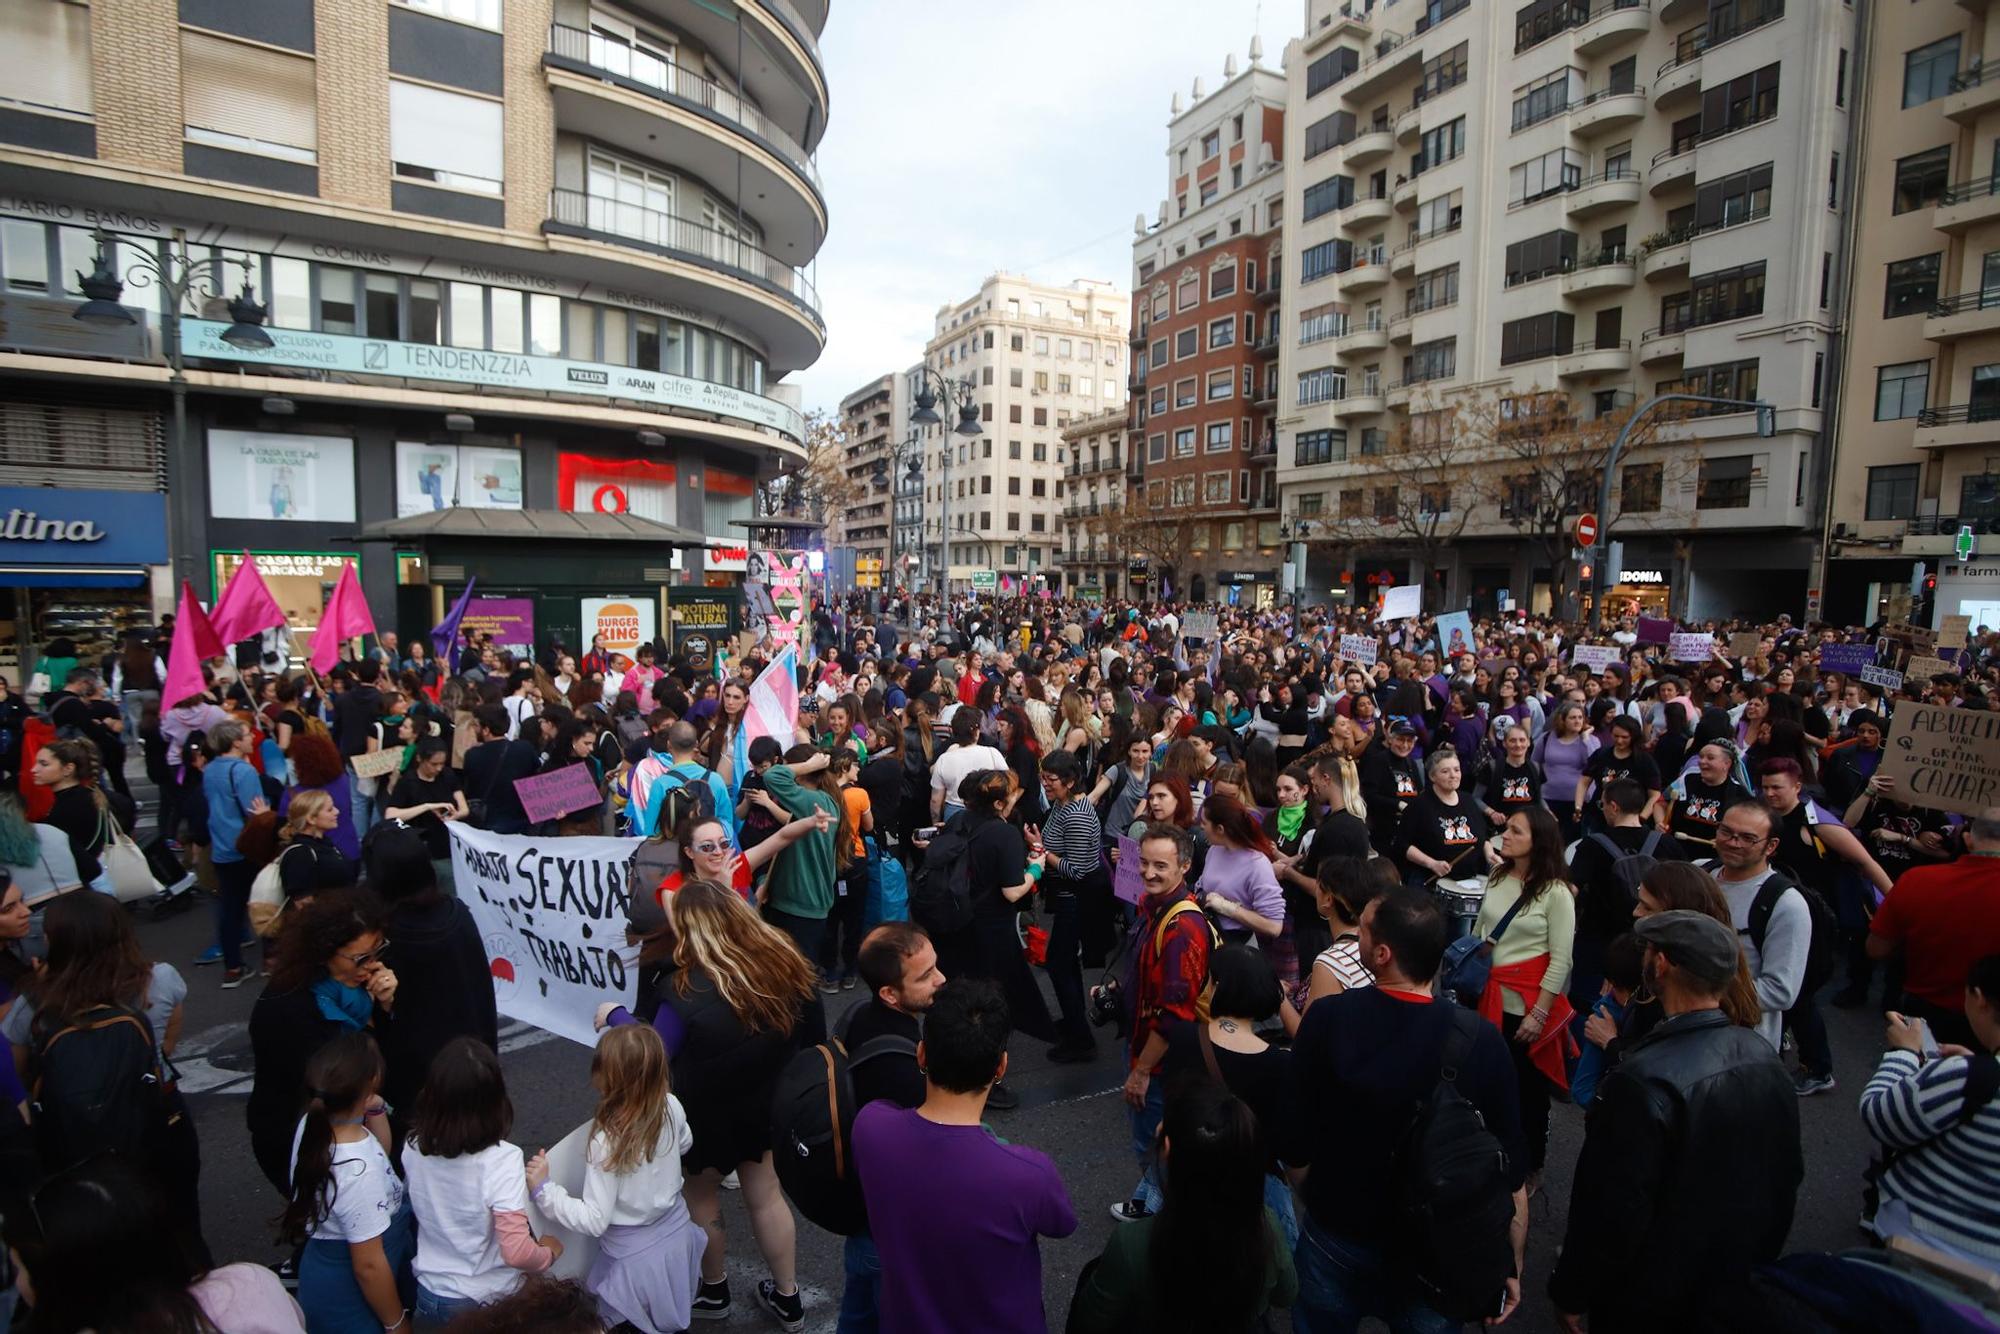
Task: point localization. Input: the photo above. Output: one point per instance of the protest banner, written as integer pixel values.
(1923, 668)
(552, 795)
(1691, 646)
(1595, 657)
(1200, 625)
(1845, 657)
(1652, 630)
(1359, 648)
(1744, 643)
(1882, 676)
(1944, 758)
(1401, 602)
(551, 916)
(566, 1168)
(1454, 631)
(379, 765)
(1952, 631)
(1125, 882)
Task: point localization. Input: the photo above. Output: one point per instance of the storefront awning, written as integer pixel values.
(532, 525)
(73, 576)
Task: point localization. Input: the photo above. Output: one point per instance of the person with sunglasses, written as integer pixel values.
(708, 853)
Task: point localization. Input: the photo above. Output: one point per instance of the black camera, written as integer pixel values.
(1105, 1003)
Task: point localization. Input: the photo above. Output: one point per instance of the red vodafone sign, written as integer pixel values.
(1586, 530)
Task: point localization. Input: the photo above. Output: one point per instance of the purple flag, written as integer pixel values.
(444, 635)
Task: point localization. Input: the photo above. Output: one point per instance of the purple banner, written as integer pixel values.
(1848, 658)
(1654, 631)
(511, 622)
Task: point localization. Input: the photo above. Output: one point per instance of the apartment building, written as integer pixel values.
(874, 420)
(1091, 556)
(523, 282)
(1200, 518)
(1036, 357)
(1919, 441)
(1511, 225)
(907, 485)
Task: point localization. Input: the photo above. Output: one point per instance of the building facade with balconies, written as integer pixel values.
(1200, 517)
(874, 420)
(1091, 555)
(1508, 225)
(534, 272)
(1919, 438)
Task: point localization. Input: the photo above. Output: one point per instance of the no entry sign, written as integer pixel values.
(1586, 530)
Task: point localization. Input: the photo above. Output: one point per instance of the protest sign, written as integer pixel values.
(1882, 676)
(1924, 669)
(1595, 657)
(379, 765)
(551, 917)
(552, 795)
(1200, 625)
(1125, 882)
(1401, 602)
(1944, 758)
(1652, 630)
(566, 1168)
(1359, 648)
(1744, 643)
(1691, 646)
(1454, 631)
(1952, 631)
(1845, 657)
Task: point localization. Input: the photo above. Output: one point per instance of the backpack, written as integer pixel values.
(1823, 954)
(98, 1086)
(941, 897)
(1201, 1001)
(1453, 1203)
(812, 1127)
(688, 799)
(1629, 868)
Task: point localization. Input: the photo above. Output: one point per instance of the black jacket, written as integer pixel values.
(443, 991)
(1690, 1169)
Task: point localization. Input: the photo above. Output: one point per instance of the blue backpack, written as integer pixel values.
(888, 891)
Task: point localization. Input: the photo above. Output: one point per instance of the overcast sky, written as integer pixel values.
(968, 136)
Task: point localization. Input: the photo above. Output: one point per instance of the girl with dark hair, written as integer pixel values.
(468, 1188)
(347, 1205)
(1529, 913)
(1213, 1224)
(1237, 883)
(69, 769)
(1005, 870)
(1024, 759)
(1624, 757)
(1345, 888)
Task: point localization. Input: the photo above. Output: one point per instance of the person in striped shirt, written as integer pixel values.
(1073, 840)
(1940, 1121)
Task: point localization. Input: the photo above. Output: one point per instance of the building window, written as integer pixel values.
(450, 139)
(1912, 286)
(1221, 282)
(1727, 294)
(1551, 173)
(1442, 73)
(1221, 384)
(1222, 333)
(1320, 323)
(1324, 385)
(1902, 390)
(1326, 197)
(1156, 449)
(1742, 101)
(1921, 179)
(481, 13)
(252, 99)
(48, 47)
(1547, 97)
(1435, 289)
(1184, 443)
(1183, 491)
(1187, 343)
(1435, 360)
(1328, 133)
(1724, 483)
(1387, 501)
(1928, 70)
(1892, 491)
(1330, 69)
(1374, 440)
(1639, 490)
(1539, 20)
(1546, 335)
(1439, 146)
(1317, 261)
(1322, 446)
(1221, 437)
(1211, 145)
(1538, 257)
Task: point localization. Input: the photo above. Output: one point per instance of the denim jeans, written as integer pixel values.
(435, 1312)
(1342, 1280)
(860, 1309)
(1145, 1142)
(1278, 1199)
(232, 909)
(1808, 1026)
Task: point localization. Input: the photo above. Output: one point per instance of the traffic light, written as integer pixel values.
(1930, 584)
(1767, 420)
(1583, 573)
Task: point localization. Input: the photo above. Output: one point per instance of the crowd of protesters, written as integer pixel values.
(1303, 905)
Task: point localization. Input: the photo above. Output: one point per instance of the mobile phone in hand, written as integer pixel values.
(1926, 1040)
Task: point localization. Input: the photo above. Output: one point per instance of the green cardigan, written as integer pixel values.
(1121, 1292)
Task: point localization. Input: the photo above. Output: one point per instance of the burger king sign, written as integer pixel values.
(625, 623)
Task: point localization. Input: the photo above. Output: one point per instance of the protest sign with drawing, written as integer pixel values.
(551, 916)
(1454, 632)
(1944, 758)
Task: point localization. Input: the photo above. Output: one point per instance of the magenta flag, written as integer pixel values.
(246, 607)
(195, 642)
(345, 617)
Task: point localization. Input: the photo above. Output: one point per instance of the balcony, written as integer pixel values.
(1673, 171)
(1583, 360)
(1390, 56)
(1958, 424)
(1664, 344)
(1608, 109)
(1267, 448)
(1270, 291)
(1410, 123)
(1606, 271)
(1667, 255)
(1403, 194)
(1267, 346)
(1972, 94)
(1371, 145)
(1617, 188)
(711, 269)
(608, 90)
(1399, 329)
(1359, 405)
(1397, 395)
(1611, 24)
(1678, 79)
(1365, 213)
(1967, 203)
(1403, 260)
(1367, 272)
(1367, 338)
(1961, 316)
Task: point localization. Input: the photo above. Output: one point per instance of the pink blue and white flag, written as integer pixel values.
(774, 699)
(346, 617)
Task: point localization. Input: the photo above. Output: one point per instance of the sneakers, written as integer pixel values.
(1073, 1051)
(1000, 1098)
(232, 978)
(847, 982)
(711, 1301)
(829, 984)
(213, 954)
(788, 1311)
(1809, 1083)
(288, 1274)
(730, 1182)
(1130, 1211)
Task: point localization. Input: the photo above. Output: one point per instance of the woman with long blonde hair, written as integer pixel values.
(648, 1266)
(308, 860)
(725, 991)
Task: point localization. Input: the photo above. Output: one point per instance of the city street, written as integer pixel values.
(1070, 1112)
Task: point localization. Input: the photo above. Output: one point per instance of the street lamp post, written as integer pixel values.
(954, 394)
(1286, 533)
(177, 276)
(905, 453)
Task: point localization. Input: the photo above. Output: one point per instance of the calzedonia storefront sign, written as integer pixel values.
(503, 370)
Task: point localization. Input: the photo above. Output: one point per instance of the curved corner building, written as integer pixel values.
(534, 274)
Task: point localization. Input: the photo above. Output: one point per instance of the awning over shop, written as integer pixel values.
(72, 576)
(465, 521)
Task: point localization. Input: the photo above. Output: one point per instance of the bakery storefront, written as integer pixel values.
(77, 565)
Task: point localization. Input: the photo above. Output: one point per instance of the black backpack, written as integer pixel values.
(98, 1087)
(1629, 868)
(812, 1127)
(1454, 1200)
(1823, 954)
(941, 895)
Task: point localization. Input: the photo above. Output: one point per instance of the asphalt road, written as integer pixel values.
(1073, 1113)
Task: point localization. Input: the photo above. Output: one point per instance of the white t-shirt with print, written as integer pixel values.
(365, 1191)
(454, 1199)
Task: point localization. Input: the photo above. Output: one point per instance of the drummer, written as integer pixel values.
(1443, 831)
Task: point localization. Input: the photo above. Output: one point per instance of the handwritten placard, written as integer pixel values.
(557, 793)
(1845, 657)
(1926, 668)
(1360, 648)
(1952, 631)
(1200, 625)
(1691, 646)
(1945, 758)
(1595, 657)
(1882, 676)
(379, 765)
(1745, 643)
(1401, 602)
(1125, 881)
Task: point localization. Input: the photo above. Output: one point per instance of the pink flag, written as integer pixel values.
(195, 642)
(345, 617)
(246, 607)
(774, 698)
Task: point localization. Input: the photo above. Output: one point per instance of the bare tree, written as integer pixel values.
(1424, 491)
(821, 485)
(1164, 535)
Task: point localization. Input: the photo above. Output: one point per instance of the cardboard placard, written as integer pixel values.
(1360, 648)
(379, 765)
(1952, 631)
(566, 1169)
(1652, 630)
(1925, 668)
(1401, 602)
(1882, 676)
(1200, 625)
(1595, 657)
(1745, 643)
(552, 795)
(1845, 657)
(1125, 882)
(1944, 758)
(1691, 646)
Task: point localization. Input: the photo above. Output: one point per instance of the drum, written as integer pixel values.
(1460, 900)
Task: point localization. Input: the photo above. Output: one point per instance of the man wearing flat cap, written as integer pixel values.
(1691, 1161)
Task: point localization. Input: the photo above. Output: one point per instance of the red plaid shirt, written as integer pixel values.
(1167, 981)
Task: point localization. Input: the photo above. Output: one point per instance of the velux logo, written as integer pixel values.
(578, 375)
